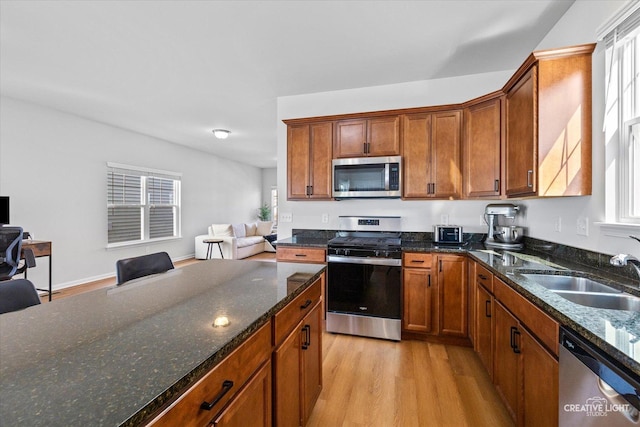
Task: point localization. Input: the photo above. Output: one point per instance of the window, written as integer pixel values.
(274, 208)
(622, 116)
(142, 205)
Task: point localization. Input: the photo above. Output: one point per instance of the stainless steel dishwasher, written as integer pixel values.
(593, 390)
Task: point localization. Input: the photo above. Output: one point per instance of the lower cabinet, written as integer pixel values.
(298, 372)
(252, 405)
(525, 372)
(484, 326)
(420, 294)
(453, 297)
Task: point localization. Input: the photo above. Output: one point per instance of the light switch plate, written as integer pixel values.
(286, 217)
(582, 226)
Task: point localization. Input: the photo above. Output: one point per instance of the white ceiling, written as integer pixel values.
(177, 69)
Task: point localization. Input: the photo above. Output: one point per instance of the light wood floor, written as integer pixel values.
(370, 382)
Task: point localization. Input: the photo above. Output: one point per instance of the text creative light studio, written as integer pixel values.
(600, 407)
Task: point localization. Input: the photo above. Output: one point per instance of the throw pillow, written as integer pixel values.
(239, 230)
(264, 228)
(222, 230)
(250, 229)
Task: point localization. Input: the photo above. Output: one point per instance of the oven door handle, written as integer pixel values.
(371, 261)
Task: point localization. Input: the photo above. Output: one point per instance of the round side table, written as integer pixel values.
(210, 243)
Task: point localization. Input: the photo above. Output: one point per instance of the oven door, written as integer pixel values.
(364, 286)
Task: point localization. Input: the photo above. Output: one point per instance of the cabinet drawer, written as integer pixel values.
(293, 254)
(287, 318)
(416, 260)
(484, 277)
(540, 324)
(230, 374)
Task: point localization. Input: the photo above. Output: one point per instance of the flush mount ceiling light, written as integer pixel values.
(221, 133)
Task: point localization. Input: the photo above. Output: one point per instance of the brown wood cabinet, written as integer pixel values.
(481, 149)
(431, 155)
(309, 153)
(548, 124)
(301, 254)
(420, 294)
(242, 381)
(453, 295)
(378, 136)
(484, 326)
(522, 358)
(297, 359)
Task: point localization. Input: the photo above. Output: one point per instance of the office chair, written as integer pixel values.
(145, 265)
(17, 294)
(11, 252)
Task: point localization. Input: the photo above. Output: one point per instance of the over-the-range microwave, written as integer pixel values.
(367, 177)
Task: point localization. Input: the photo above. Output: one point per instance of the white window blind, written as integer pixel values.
(622, 114)
(142, 204)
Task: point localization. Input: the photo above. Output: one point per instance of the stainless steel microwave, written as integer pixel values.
(367, 177)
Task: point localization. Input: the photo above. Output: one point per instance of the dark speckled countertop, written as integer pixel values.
(113, 356)
(616, 332)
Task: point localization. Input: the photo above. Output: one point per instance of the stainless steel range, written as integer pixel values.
(364, 278)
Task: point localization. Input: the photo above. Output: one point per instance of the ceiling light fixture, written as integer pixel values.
(221, 133)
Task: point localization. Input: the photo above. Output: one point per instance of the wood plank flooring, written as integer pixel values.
(370, 382)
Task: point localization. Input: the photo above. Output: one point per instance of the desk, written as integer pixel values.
(40, 249)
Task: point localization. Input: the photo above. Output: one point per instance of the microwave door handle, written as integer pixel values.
(387, 167)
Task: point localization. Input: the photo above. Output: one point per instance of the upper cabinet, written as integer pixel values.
(532, 138)
(431, 155)
(482, 140)
(548, 124)
(378, 136)
(309, 161)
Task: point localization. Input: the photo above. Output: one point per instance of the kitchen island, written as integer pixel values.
(116, 356)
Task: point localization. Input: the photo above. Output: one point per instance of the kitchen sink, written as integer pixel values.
(620, 301)
(587, 292)
(569, 283)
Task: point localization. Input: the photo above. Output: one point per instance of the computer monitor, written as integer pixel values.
(4, 210)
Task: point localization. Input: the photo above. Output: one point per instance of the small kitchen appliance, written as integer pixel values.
(367, 177)
(364, 280)
(503, 236)
(447, 234)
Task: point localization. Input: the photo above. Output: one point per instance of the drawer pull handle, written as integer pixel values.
(418, 261)
(306, 304)
(482, 277)
(226, 386)
(301, 255)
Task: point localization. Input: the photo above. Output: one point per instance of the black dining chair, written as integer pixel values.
(140, 266)
(17, 294)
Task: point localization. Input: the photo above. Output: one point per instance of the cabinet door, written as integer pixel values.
(320, 160)
(416, 147)
(298, 168)
(383, 136)
(481, 150)
(522, 137)
(351, 137)
(540, 384)
(287, 377)
(505, 358)
(484, 327)
(445, 154)
(252, 405)
(452, 290)
(419, 300)
(311, 361)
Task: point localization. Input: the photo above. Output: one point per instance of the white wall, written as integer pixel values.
(53, 166)
(577, 26)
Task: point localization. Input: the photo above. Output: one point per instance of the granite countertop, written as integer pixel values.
(113, 356)
(616, 332)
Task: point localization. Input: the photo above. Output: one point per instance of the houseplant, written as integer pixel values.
(264, 212)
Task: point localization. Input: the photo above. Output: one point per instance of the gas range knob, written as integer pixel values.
(377, 254)
(346, 252)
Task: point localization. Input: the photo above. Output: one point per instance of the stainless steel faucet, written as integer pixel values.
(621, 260)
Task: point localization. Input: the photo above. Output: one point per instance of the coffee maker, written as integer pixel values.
(503, 236)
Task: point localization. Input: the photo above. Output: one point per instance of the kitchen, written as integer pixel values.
(554, 219)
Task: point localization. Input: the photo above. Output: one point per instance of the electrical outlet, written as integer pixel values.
(558, 224)
(325, 218)
(286, 217)
(582, 226)
(444, 219)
